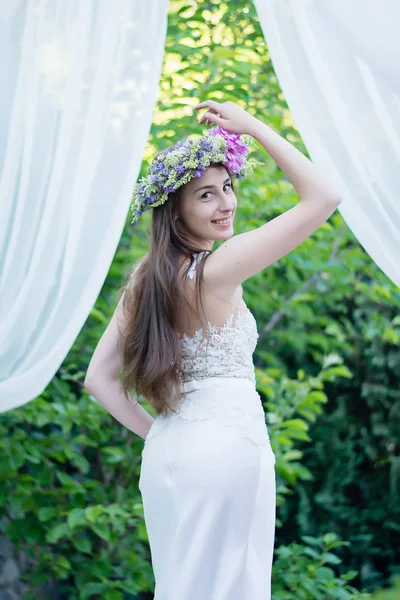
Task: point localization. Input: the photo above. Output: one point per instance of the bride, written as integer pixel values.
(182, 337)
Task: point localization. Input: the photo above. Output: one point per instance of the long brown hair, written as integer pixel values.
(150, 350)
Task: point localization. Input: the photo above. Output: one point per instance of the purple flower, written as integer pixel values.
(155, 167)
(206, 145)
(199, 172)
(152, 198)
(236, 148)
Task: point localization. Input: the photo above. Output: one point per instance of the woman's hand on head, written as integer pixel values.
(228, 115)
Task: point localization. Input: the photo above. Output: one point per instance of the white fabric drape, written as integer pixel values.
(338, 66)
(78, 87)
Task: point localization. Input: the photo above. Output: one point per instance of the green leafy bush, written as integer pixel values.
(305, 572)
(70, 498)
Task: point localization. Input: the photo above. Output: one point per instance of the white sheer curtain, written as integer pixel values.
(338, 64)
(78, 86)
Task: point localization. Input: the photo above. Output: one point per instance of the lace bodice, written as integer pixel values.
(228, 352)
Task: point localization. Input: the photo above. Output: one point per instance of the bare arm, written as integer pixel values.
(246, 254)
(103, 384)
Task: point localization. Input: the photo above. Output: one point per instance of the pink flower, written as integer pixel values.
(236, 148)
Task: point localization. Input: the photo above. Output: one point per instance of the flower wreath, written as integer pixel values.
(190, 158)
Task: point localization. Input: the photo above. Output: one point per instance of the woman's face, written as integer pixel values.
(204, 200)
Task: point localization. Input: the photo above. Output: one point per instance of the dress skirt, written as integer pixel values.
(207, 482)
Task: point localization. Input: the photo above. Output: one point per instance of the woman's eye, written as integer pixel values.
(227, 185)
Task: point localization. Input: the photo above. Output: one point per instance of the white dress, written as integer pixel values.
(207, 476)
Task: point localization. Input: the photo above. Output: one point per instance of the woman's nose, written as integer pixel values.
(227, 201)
(227, 205)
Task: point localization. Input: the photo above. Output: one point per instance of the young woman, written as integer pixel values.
(182, 337)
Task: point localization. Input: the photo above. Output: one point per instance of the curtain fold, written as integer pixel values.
(338, 67)
(79, 85)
